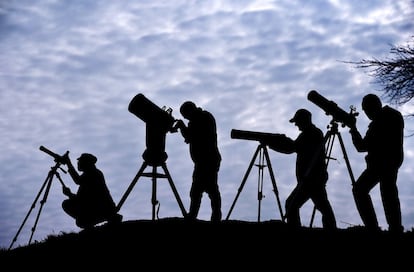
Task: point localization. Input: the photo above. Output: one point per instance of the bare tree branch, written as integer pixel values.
(396, 74)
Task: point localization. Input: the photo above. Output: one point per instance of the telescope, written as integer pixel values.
(150, 113)
(58, 158)
(331, 108)
(255, 135)
(276, 141)
(158, 121)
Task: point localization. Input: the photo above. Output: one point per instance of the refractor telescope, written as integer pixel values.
(331, 108)
(276, 141)
(263, 137)
(158, 121)
(57, 157)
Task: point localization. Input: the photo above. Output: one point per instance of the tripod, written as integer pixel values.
(154, 175)
(263, 154)
(45, 189)
(329, 141)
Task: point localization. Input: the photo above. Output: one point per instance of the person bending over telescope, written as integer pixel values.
(201, 135)
(92, 204)
(311, 170)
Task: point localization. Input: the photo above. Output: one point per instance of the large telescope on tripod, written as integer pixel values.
(331, 108)
(158, 121)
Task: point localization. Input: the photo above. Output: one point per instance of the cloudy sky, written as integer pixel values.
(70, 68)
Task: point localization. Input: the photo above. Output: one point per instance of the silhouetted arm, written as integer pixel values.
(183, 130)
(357, 139)
(71, 169)
(281, 143)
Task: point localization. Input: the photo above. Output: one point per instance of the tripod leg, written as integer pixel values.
(244, 180)
(272, 177)
(261, 165)
(134, 181)
(312, 217)
(154, 200)
(42, 202)
(180, 203)
(330, 137)
(348, 165)
(47, 181)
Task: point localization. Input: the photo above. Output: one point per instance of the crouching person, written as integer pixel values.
(92, 204)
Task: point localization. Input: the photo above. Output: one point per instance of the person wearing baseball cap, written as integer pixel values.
(301, 115)
(92, 204)
(311, 171)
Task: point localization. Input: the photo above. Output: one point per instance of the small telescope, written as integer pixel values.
(58, 158)
(331, 108)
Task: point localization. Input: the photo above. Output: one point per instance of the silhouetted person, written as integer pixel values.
(93, 203)
(383, 142)
(311, 171)
(201, 135)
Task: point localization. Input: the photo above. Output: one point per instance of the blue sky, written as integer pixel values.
(70, 68)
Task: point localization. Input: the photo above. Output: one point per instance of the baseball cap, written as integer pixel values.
(301, 114)
(86, 157)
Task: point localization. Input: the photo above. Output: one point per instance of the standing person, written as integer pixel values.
(383, 143)
(311, 171)
(92, 204)
(201, 135)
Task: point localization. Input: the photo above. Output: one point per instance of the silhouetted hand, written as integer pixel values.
(353, 129)
(179, 124)
(65, 158)
(66, 191)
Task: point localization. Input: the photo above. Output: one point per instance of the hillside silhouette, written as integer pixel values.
(175, 243)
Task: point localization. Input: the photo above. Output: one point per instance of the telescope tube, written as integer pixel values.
(331, 108)
(50, 153)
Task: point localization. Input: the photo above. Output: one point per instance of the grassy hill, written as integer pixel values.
(174, 243)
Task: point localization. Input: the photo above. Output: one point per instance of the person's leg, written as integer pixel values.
(293, 203)
(215, 199)
(70, 207)
(320, 199)
(210, 181)
(196, 193)
(390, 200)
(195, 202)
(361, 189)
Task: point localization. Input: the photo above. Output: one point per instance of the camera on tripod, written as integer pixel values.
(159, 121)
(331, 108)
